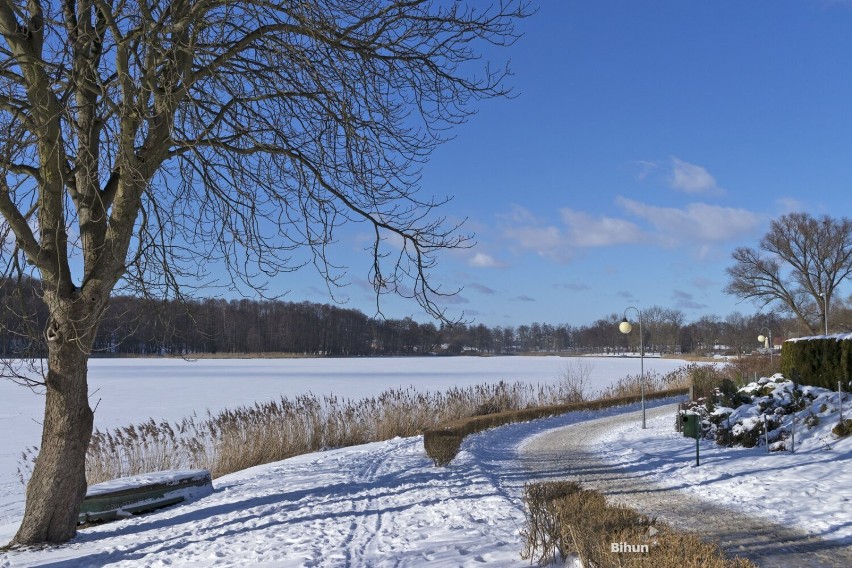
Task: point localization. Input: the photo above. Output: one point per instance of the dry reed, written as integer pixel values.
(243, 437)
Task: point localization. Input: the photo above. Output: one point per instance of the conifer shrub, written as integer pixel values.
(818, 361)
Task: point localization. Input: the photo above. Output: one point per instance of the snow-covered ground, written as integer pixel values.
(380, 504)
(384, 504)
(130, 391)
(809, 488)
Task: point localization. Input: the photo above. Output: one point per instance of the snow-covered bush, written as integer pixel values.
(742, 417)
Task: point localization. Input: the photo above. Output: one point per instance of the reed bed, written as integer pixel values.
(244, 437)
(631, 385)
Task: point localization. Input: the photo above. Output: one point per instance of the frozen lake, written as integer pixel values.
(129, 391)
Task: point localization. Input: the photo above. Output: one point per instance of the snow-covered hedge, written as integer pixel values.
(818, 361)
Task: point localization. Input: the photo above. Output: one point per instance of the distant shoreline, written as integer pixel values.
(281, 355)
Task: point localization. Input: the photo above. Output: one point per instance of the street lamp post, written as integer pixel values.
(766, 340)
(625, 327)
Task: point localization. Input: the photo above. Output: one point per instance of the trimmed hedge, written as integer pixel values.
(818, 361)
(563, 519)
(442, 444)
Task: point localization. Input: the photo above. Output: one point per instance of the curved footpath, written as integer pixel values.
(566, 453)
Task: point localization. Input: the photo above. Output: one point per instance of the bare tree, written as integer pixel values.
(662, 326)
(738, 333)
(800, 264)
(143, 140)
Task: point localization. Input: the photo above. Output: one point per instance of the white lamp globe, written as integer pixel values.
(761, 338)
(625, 327)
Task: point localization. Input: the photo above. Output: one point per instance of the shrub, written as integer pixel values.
(811, 420)
(843, 429)
(574, 382)
(817, 361)
(442, 445)
(706, 379)
(543, 532)
(562, 519)
(744, 369)
(631, 385)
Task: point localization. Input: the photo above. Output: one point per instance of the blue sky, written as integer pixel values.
(647, 141)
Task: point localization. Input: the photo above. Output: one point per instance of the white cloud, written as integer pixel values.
(700, 225)
(560, 243)
(686, 301)
(547, 241)
(528, 232)
(692, 178)
(703, 283)
(698, 222)
(585, 230)
(453, 299)
(482, 260)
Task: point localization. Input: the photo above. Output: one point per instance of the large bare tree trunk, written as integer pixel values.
(58, 482)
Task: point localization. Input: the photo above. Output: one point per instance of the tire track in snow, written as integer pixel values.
(567, 453)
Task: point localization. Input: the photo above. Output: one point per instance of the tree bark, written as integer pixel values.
(58, 483)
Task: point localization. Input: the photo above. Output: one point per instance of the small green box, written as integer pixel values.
(691, 424)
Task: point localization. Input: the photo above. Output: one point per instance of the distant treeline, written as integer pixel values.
(136, 326)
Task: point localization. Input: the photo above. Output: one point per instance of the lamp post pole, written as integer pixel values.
(625, 328)
(766, 340)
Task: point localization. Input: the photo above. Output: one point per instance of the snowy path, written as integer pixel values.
(577, 449)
